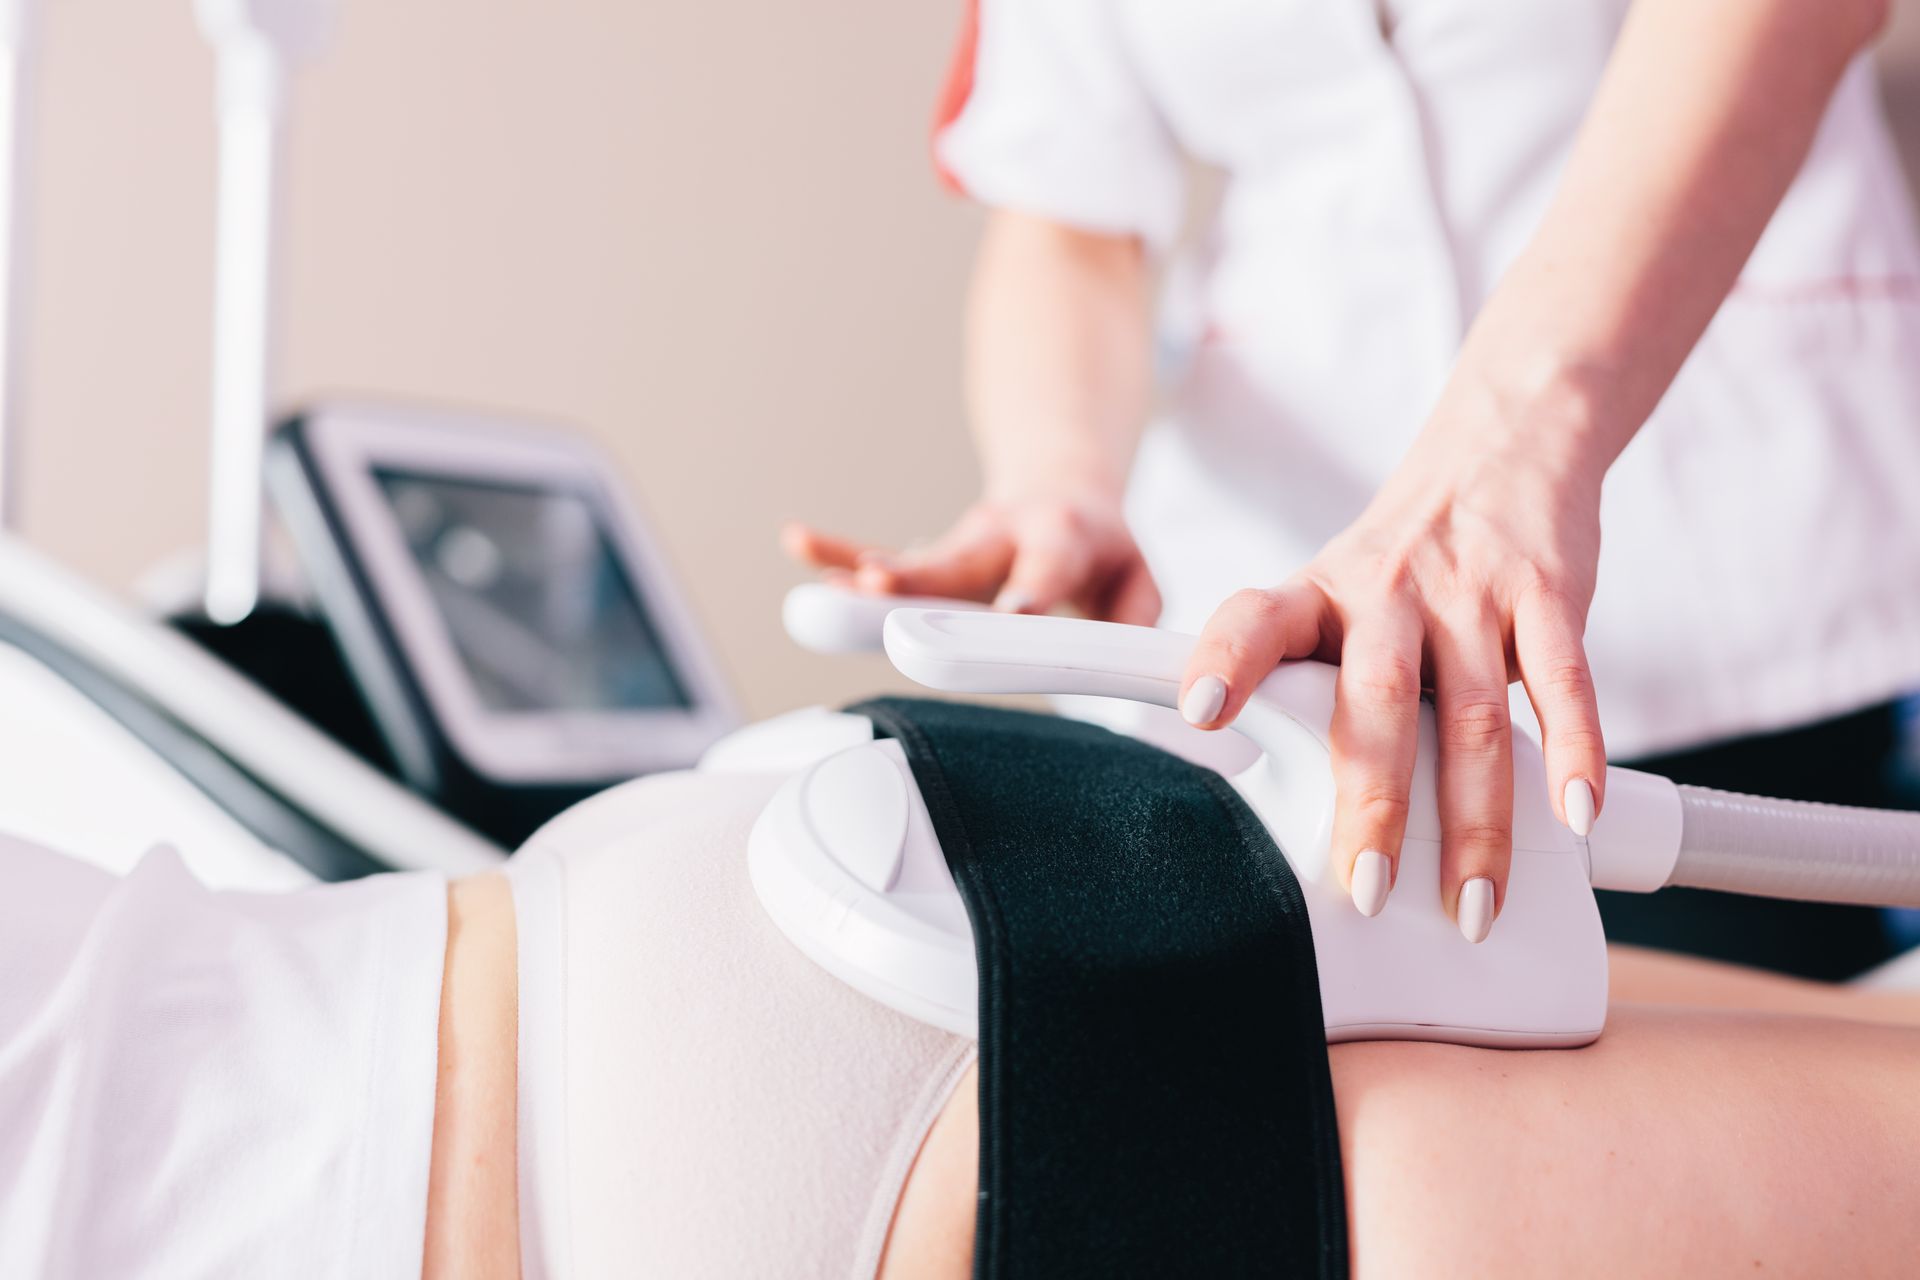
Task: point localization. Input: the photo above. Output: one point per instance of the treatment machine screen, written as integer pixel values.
(542, 611)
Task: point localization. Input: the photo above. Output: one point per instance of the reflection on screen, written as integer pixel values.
(539, 609)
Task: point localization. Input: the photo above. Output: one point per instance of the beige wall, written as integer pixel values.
(705, 231)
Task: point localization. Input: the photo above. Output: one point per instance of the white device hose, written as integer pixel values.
(1797, 849)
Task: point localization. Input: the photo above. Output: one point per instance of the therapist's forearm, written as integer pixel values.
(1705, 113)
(1058, 355)
(1476, 562)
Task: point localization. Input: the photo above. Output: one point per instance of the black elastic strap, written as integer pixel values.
(1154, 1094)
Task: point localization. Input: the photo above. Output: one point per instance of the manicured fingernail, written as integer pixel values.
(1476, 909)
(1577, 800)
(1013, 601)
(1372, 879)
(1204, 700)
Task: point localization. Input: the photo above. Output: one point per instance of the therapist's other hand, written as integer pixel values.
(1474, 566)
(1026, 551)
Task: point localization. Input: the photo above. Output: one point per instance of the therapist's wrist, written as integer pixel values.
(1563, 373)
(1074, 476)
(1567, 413)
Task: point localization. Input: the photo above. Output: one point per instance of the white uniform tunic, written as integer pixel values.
(1761, 536)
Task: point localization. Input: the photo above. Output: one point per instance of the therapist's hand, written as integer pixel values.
(1473, 567)
(1028, 550)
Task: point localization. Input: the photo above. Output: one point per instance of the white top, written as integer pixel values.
(697, 1099)
(1761, 560)
(196, 1083)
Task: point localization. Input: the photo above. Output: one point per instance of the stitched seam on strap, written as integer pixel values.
(1326, 1123)
(989, 938)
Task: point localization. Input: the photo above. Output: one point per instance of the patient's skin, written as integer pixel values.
(1751, 1138)
(1686, 1142)
(1772, 1134)
(473, 1219)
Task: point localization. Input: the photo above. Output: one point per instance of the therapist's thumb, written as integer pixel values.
(968, 562)
(1051, 564)
(1134, 598)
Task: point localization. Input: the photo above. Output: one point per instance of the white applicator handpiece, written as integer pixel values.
(1653, 833)
(846, 861)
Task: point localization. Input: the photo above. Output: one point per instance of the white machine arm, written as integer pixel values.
(256, 42)
(19, 21)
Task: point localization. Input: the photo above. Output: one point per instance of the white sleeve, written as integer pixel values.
(1047, 115)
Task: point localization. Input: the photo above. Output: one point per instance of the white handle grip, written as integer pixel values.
(1008, 653)
(823, 618)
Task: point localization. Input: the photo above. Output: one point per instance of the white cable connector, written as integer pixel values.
(1636, 837)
